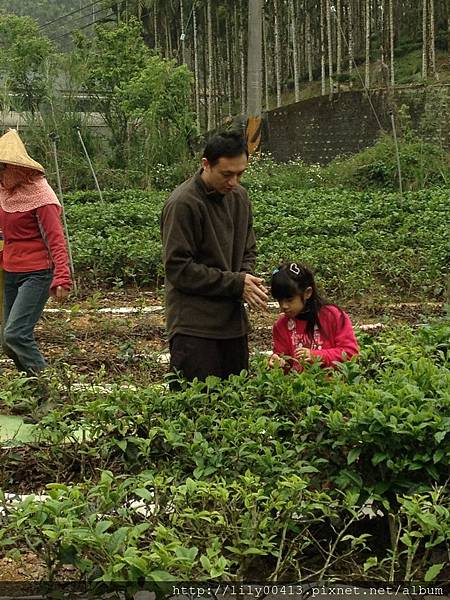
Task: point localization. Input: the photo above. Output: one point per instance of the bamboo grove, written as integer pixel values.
(339, 44)
(331, 41)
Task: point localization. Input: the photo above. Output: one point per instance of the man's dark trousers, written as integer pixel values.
(199, 357)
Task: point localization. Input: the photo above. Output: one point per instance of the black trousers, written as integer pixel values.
(200, 357)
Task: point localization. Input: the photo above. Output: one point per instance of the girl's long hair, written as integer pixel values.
(292, 279)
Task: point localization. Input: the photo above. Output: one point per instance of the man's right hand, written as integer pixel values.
(255, 293)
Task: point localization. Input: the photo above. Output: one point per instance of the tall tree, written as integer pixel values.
(277, 50)
(367, 35)
(155, 25)
(309, 45)
(266, 66)
(196, 68)
(391, 42)
(24, 53)
(351, 51)
(183, 34)
(229, 68)
(302, 39)
(113, 55)
(210, 123)
(330, 47)
(448, 25)
(293, 23)
(254, 77)
(242, 57)
(424, 40)
(338, 41)
(431, 41)
(322, 47)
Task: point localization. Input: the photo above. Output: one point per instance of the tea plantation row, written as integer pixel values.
(259, 478)
(359, 243)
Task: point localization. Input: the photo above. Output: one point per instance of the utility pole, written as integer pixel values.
(254, 74)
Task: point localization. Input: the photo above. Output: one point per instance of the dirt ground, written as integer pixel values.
(126, 344)
(29, 567)
(87, 339)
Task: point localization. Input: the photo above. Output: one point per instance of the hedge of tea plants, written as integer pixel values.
(267, 477)
(360, 244)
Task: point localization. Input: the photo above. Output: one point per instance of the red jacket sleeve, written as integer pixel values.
(50, 225)
(338, 327)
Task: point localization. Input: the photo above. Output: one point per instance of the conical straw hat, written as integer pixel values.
(13, 152)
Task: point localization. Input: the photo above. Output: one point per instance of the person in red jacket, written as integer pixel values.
(310, 328)
(34, 257)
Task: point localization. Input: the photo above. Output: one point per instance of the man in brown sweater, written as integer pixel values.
(209, 256)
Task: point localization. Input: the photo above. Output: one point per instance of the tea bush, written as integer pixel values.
(360, 244)
(423, 165)
(267, 477)
(264, 174)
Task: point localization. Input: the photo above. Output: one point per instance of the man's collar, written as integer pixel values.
(209, 192)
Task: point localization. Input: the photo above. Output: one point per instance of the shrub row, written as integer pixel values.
(359, 243)
(267, 476)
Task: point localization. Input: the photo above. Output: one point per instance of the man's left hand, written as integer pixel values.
(255, 294)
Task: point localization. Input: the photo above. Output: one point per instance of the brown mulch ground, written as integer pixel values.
(28, 568)
(126, 344)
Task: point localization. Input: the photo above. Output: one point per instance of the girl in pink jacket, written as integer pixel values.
(310, 328)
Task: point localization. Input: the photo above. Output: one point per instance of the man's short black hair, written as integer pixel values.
(227, 143)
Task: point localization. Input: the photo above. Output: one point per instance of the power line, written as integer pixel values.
(80, 28)
(71, 13)
(80, 18)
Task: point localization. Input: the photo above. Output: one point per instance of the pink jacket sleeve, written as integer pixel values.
(281, 345)
(280, 342)
(53, 234)
(340, 329)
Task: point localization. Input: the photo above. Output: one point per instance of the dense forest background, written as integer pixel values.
(160, 72)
